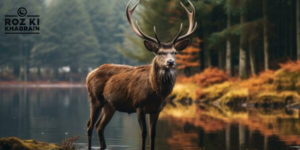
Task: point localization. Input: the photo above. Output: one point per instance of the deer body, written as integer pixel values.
(141, 89)
(126, 88)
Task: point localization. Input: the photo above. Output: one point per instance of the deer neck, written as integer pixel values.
(162, 80)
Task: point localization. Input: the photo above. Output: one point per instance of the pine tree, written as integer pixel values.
(16, 49)
(68, 38)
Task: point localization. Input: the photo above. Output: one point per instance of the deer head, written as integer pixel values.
(165, 53)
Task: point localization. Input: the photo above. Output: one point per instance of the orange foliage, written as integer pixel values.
(208, 77)
(263, 81)
(291, 66)
(190, 56)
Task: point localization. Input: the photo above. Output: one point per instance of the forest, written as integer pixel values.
(75, 37)
(238, 82)
(240, 37)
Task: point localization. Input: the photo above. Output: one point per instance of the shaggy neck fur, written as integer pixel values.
(162, 80)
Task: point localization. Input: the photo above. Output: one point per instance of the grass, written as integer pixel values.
(281, 87)
(213, 92)
(13, 143)
(68, 144)
(184, 92)
(234, 97)
(279, 98)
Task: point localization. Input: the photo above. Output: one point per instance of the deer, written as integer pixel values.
(136, 89)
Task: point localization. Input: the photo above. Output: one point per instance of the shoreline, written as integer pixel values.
(41, 85)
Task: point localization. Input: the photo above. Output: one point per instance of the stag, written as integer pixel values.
(140, 89)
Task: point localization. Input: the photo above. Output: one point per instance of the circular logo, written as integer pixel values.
(22, 12)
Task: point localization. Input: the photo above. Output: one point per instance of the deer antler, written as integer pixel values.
(137, 30)
(192, 27)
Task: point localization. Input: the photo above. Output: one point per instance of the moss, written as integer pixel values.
(276, 98)
(13, 143)
(179, 110)
(184, 92)
(286, 80)
(267, 88)
(214, 92)
(234, 97)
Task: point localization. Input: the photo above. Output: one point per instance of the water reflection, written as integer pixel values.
(235, 128)
(54, 114)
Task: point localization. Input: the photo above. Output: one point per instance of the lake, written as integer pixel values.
(54, 114)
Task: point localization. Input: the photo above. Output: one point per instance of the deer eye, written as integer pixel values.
(173, 53)
(162, 53)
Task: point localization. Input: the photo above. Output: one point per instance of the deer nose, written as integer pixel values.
(170, 62)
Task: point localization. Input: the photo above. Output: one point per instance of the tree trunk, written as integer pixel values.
(227, 137)
(73, 69)
(298, 29)
(242, 62)
(266, 36)
(242, 138)
(25, 72)
(39, 73)
(252, 58)
(17, 70)
(56, 74)
(266, 141)
(220, 61)
(207, 58)
(187, 71)
(201, 53)
(228, 47)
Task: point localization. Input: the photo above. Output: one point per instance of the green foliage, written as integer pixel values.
(68, 37)
(248, 30)
(165, 16)
(78, 34)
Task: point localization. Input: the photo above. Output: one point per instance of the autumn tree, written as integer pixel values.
(189, 57)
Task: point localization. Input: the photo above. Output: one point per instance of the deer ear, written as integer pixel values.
(181, 45)
(152, 47)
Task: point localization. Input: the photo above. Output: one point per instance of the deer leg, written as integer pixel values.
(106, 115)
(142, 121)
(94, 114)
(152, 126)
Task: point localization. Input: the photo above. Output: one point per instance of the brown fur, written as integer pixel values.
(126, 88)
(140, 89)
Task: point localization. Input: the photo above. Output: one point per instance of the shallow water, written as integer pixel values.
(54, 114)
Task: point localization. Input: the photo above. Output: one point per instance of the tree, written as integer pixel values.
(108, 21)
(189, 57)
(153, 13)
(242, 57)
(165, 16)
(68, 38)
(298, 28)
(15, 49)
(266, 36)
(228, 46)
(252, 56)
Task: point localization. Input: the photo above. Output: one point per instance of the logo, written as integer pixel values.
(22, 12)
(22, 23)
